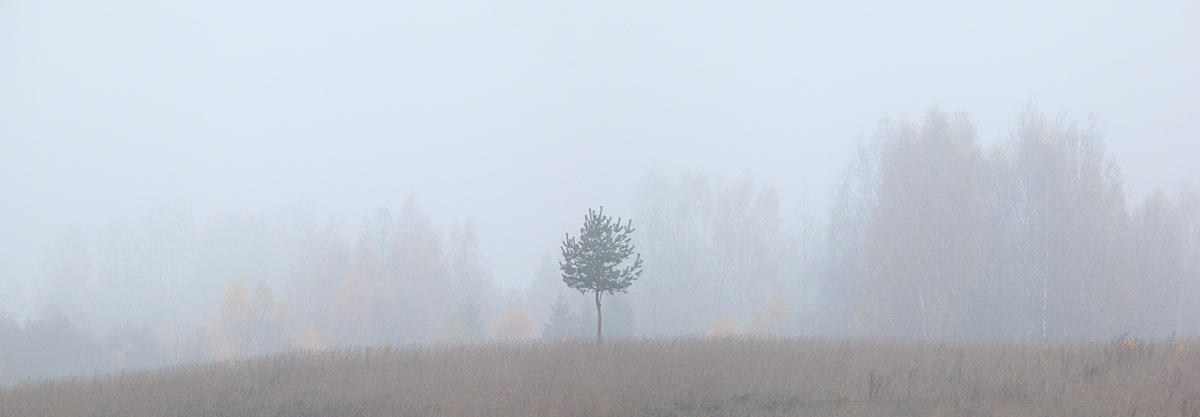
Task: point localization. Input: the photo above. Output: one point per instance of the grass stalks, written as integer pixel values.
(653, 377)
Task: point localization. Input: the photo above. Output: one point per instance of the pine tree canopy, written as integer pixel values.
(592, 263)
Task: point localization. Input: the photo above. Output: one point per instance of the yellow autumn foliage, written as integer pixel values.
(724, 326)
(515, 324)
(771, 320)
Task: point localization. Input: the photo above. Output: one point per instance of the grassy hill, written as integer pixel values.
(652, 377)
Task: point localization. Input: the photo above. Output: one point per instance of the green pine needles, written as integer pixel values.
(593, 263)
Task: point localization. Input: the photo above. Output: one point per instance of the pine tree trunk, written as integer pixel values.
(599, 319)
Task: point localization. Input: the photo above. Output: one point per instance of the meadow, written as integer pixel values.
(734, 376)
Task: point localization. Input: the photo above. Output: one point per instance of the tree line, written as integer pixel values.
(166, 290)
(931, 236)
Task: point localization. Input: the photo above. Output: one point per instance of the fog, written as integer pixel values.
(506, 121)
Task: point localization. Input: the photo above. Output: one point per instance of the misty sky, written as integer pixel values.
(520, 115)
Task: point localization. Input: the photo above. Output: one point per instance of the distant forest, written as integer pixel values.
(928, 236)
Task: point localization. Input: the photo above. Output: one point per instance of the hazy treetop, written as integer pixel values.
(520, 114)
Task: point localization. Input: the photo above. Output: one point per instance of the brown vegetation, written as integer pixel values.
(663, 377)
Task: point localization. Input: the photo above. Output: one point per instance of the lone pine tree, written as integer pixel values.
(593, 263)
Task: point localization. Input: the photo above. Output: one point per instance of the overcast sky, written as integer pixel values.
(520, 115)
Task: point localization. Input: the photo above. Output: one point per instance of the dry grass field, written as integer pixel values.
(653, 377)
